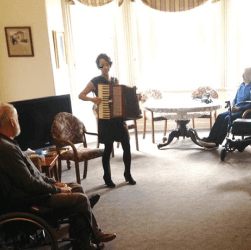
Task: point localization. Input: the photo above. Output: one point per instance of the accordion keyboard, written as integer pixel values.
(104, 93)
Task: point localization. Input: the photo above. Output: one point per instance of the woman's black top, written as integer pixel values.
(114, 129)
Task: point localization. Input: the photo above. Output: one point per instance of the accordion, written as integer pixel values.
(118, 101)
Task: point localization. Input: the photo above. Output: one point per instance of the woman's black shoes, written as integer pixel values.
(128, 178)
(109, 183)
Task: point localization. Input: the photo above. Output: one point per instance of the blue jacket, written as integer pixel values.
(242, 97)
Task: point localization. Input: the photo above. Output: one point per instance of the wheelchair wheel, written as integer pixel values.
(223, 154)
(26, 231)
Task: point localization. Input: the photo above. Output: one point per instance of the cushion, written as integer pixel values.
(241, 127)
(83, 154)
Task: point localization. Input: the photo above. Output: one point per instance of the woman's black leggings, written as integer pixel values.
(126, 157)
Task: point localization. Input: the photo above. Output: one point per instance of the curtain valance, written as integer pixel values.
(174, 5)
(162, 5)
(95, 3)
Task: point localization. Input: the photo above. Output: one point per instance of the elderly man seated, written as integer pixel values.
(241, 103)
(22, 179)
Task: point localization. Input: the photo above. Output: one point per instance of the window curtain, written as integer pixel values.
(238, 42)
(93, 33)
(208, 45)
(95, 3)
(178, 51)
(173, 5)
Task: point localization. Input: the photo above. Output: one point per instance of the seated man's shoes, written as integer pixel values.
(94, 246)
(102, 237)
(206, 139)
(207, 143)
(94, 199)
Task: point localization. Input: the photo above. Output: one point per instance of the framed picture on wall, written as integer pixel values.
(59, 46)
(19, 41)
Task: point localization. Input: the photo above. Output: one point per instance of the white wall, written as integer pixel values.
(29, 77)
(55, 22)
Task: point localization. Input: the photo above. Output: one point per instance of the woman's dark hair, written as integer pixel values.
(104, 56)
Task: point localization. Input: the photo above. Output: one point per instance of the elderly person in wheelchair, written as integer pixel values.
(23, 187)
(241, 103)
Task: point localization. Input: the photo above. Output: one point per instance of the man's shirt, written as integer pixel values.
(19, 178)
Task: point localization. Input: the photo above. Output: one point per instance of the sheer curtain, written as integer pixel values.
(179, 51)
(92, 33)
(238, 41)
(171, 51)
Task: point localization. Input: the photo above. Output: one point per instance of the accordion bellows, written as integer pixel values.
(118, 101)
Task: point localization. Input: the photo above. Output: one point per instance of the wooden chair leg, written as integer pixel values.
(51, 173)
(193, 122)
(153, 139)
(68, 164)
(55, 171)
(77, 172)
(85, 169)
(136, 135)
(144, 124)
(211, 120)
(112, 151)
(165, 127)
(59, 169)
(118, 144)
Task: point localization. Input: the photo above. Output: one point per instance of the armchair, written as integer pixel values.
(68, 130)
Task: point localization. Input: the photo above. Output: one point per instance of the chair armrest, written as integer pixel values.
(66, 142)
(245, 113)
(89, 133)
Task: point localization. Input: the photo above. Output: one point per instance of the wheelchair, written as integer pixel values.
(239, 127)
(27, 224)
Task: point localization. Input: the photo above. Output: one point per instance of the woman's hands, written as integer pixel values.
(83, 95)
(97, 100)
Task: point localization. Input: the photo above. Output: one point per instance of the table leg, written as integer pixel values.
(174, 133)
(181, 131)
(195, 133)
(191, 134)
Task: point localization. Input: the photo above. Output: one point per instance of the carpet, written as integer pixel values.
(185, 197)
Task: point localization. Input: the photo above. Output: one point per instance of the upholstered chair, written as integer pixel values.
(153, 94)
(68, 130)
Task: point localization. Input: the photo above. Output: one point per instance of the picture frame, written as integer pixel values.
(19, 41)
(59, 47)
